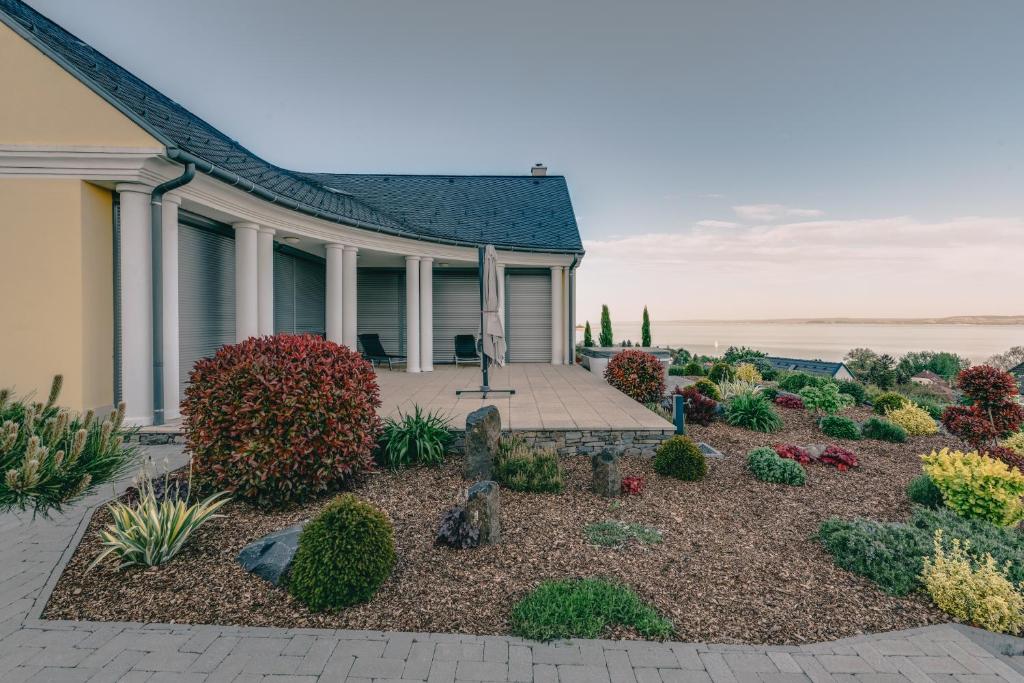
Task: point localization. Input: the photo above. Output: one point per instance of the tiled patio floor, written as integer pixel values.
(547, 397)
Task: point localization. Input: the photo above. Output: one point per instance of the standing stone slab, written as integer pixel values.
(483, 429)
(607, 478)
(483, 510)
(271, 557)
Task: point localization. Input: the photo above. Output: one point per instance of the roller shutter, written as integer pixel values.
(528, 317)
(299, 295)
(380, 306)
(206, 295)
(456, 310)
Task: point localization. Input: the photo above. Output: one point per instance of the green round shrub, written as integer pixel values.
(708, 388)
(676, 370)
(923, 491)
(856, 390)
(770, 393)
(680, 457)
(344, 555)
(722, 372)
(693, 369)
(840, 427)
(888, 400)
(883, 430)
(765, 464)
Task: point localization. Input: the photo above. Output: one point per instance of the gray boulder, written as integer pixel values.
(710, 451)
(483, 429)
(607, 480)
(271, 557)
(483, 511)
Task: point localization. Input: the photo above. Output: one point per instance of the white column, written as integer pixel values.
(169, 224)
(265, 289)
(557, 356)
(569, 345)
(412, 313)
(350, 322)
(246, 281)
(426, 314)
(136, 304)
(501, 293)
(335, 300)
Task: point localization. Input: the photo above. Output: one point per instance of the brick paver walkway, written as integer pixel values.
(33, 551)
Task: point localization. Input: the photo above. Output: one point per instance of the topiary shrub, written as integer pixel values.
(344, 555)
(888, 400)
(766, 465)
(680, 457)
(699, 408)
(854, 390)
(754, 412)
(721, 372)
(637, 374)
(923, 491)
(883, 430)
(708, 388)
(693, 369)
(840, 427)
(914, 421)
(280, 419)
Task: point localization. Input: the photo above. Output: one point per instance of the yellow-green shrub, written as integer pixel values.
(977, 486)
(1015, 442)
(978, 593)
(914, 419)
(746, 372)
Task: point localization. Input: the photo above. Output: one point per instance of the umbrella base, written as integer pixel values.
(484, 390)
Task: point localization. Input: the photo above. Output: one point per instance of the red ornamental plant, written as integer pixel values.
(840, 457)
(639, 375)
(993, 414)
(1009, 456)
(699, 408)
(792, 452)
(632, 485)
(785, 401)
(280, 419)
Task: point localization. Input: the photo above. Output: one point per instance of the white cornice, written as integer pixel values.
(88, 163)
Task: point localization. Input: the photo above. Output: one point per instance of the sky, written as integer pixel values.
(726, 159)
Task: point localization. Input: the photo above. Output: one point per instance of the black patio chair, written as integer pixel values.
(465, 349)
(374, 352)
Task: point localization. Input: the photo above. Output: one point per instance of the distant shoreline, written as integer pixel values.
(951, 320)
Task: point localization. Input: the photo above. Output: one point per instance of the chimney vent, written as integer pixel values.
(539, 170)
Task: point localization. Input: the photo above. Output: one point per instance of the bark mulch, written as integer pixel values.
(738, 564)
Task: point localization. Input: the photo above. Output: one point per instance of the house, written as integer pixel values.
(929, 378)
(138, 238)
(837, 371)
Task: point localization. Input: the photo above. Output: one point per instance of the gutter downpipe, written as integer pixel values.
(157, 269)
(572, 310)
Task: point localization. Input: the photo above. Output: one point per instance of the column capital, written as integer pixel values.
(334, 246)
(172, 199)
(139, 188)
(557, 269)
(351, 250)
(410, 259)
(245, 225)
(267, 231)
(426, 259)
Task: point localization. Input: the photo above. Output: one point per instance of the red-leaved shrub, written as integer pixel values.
(840, 457)
(786, 401)
(639, 375)
(792, 452)
(1009, 456)
(279, 419)
(632, 485)
(993, 414)
(986, 385)
(699, 408)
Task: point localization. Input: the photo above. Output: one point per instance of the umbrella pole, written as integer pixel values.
(485, 387)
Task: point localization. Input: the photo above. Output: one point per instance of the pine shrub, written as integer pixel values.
(840, 427)
(680, 457)
(923, 491)
(344, 556)
(708, 388)
(883, 430)
(721, 372)
(766, 465)
(888, 400)
(693, 369)
(889, 554)
(677, 370)
(854, 390)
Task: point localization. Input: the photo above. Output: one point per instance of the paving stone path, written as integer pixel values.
(32, 553)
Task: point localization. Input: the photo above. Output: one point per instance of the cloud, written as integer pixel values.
(710, 195)
(897, 266)
(772, 213)
(716, 224)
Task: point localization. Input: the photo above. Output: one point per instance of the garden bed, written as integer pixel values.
(738, 561)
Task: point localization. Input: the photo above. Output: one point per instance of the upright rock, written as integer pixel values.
(483, 429)
(483, 510)
(607, 478)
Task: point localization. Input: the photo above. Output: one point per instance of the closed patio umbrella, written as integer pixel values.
(492, 326)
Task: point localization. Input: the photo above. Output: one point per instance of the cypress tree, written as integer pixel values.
(645, 330)
(588, 336)
(605, 338)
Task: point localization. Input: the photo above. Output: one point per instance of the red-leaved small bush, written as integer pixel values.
(280, 419)
(639, 375)
(1009, 456)
(699, 408)
(986, 385)
(785, 401)
(994, 413)
(632, 485)
(840, 457)
(793, 452)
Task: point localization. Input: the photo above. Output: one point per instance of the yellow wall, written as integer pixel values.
(45, 105)
(57, 277)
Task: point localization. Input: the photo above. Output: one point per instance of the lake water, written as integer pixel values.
(827, 341)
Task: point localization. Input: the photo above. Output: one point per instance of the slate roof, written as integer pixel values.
(811, 367)
(541, 214)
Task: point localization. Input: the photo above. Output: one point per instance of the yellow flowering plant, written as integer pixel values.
(975, 592)
(1015, 442)
(914, 419)
(977, 486)
(746, 372)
